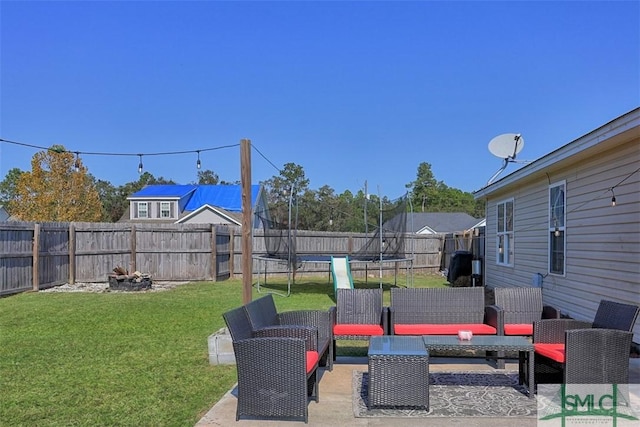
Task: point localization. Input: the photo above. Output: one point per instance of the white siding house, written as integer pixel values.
(552, 223)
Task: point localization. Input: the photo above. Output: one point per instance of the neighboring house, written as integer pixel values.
(570, 222)
(193, 204)
(441, 222)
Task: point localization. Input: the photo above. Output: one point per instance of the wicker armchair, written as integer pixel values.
(277, 368)
(358, 315)
(262, 314)
(597, 356)
(549, 338)
(517, 309)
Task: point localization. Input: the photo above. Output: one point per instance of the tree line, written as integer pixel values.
(59, 188)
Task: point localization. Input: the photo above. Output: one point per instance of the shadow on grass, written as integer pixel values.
(313, 285)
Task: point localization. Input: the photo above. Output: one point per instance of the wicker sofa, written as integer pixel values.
(277, 368)
(440, 311)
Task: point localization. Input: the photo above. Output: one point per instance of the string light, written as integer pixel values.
(613, 197)
(59, 149)
(556, 232)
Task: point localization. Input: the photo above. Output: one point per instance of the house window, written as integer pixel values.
(165, 210)
(557, 202)
(504, 235)
(143, 210)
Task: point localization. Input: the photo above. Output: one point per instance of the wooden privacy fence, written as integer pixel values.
(37, 256)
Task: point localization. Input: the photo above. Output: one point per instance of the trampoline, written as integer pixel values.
(386, 245)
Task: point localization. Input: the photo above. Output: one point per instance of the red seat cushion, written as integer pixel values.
(552, 351)
(518, 329)
(445, 329)
(312, 360)
(354, 329)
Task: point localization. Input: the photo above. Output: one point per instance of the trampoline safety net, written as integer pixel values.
(387, 242)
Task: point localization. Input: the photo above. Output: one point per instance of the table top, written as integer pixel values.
(478, 342)
(393, 345)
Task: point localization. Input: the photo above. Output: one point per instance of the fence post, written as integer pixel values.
(214, 254)
(36, 257)
(72, 253)
(232, 252)
(132, 261)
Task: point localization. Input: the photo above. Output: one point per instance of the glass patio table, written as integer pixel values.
(490, 343)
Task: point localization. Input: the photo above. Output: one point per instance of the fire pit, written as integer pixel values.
(122, 281)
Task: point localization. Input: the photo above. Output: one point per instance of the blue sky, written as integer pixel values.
(350, 91)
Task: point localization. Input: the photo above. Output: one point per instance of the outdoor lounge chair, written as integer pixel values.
(517, 309)
(358, 315)
(277, 368)
(551, 342)
(597, 356)
(262, 313)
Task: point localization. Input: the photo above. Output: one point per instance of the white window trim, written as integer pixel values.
(162, 209)
(561, 225)
(146, 205)
(509, 250)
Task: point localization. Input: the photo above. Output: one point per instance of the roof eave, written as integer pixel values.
(605, 133)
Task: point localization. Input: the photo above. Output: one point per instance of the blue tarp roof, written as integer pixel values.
(165, 190)
(228, 197)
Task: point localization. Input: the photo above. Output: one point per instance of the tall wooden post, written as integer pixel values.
(36, 257)
(247, 243)
(72, 253)
(214, 253)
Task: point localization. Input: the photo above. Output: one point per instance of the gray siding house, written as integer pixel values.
(569, 222)
(441, 222)
(193, 204)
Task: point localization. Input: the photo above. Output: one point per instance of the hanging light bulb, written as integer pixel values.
(76, 165)
(198, 163)
(613, 197)
(556, 232)
(140, 164)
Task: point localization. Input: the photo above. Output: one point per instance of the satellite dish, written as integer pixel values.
(507, 145)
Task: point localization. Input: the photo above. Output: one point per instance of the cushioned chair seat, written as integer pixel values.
(356, 329)
(443, 329)
(518, 329)
(554, 351)
(312, 360)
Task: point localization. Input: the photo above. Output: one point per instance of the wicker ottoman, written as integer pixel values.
(398, 372)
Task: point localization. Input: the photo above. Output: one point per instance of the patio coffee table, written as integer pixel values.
(398, 372)
(490, 343)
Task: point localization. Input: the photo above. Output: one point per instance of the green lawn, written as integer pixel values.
(128, 359)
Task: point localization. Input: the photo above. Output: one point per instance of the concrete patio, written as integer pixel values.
(335, 405)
